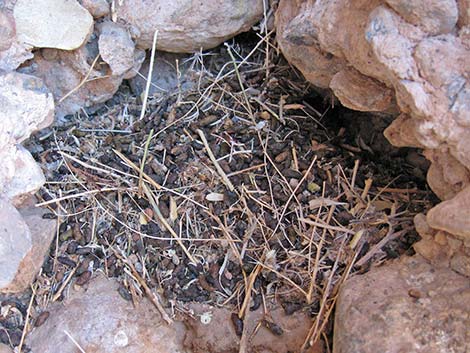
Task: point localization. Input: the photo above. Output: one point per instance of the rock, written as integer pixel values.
(100, 320)
(116, 47)
(24, 176)
(186, 26)
(15, 242)
(7, 30)
(5, 349)
(405, 306)
(434, 16)
(372, 54)
(75, 81)
(210, 330)
(26, 105)
(359, 92)
(452, 215)
(442, 249)
(24, 241)
(97, 8)
(164, 75)
(52, 23)
(16, 54)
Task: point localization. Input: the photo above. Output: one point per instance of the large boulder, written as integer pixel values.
(185, 25)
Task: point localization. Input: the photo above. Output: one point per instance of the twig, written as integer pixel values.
(219, 169)
(152, 296)
(26, 320)
(149, 75)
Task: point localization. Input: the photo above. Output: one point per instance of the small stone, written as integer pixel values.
(52, 23)
(97, 8)
(116, 47)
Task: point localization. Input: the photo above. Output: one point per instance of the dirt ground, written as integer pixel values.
(248, 188)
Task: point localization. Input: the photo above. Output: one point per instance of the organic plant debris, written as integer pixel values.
(247, 188)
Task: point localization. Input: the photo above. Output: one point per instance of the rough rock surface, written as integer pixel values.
(406, 306)
(25, 238)
(5, 349)
(7, 30)
(211, 331)
(385, 55)
(62, 24)
(100, 320)
(97, 8)
(26, 105)
(116, 47)
(73, 79)
(187, 26)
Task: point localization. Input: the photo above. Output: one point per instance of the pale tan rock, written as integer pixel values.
(404, 306)
(24, 242)
(5, 349)
(97, 8)
(52, 23)
(15, 242)
(446, 176)
(210, 330)
(116, 47)
(442, 249)
(26, 105)
(401, 132)
(16, 54)
(299, 43)
(27, 176)
(452, 215)
(187, 26)
(101, 321)
(7, 30)
(434, 16)
(359, 92)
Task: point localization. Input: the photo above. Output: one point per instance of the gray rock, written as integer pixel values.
(405, 306)
(98, 319)
(185, 25)
(116, 47)
(97, 8)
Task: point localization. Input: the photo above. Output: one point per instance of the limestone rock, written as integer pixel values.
(415, 53)
(211, 331)
(452, 215)
(52, 23)
(100, 320)
(434, 16)
(77, 79)
(187, 26)
(26, 105)
(15, 242)
(24, 176)
(405, 306)
(5, 349)
(116, 47)
(97, 8)
(359, 92)
(7, 30)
